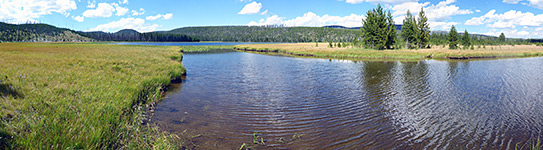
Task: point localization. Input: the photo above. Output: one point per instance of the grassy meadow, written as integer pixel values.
(83, 96)
(206, 49)
(436, 52)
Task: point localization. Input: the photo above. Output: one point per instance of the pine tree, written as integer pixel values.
(409, 30)
(375, 29)
(391, 34)
(424, 29)
(466, 40)
(453, 38)
(501, 39)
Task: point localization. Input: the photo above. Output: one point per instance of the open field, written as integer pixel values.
(206, 49)
(437, 52)
(83, 96)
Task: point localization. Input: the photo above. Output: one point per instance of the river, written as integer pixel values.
(304, 103)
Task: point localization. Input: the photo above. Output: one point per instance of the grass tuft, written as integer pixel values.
(83, 96)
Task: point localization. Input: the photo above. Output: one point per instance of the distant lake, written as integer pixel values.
(304, 103)
(187, 43)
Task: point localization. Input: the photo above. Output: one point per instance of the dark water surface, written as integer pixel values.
(300, 103)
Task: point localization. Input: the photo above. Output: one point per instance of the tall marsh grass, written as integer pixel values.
(82, 96)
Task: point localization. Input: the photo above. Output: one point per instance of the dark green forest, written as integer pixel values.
(38, 33)
(268, 33)
(133, 35)
(48, 33)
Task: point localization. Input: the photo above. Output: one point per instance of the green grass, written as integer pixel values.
(206, 49)
(310, 50)
(83, 96)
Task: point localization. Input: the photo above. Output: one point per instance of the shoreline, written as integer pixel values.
(310, 50)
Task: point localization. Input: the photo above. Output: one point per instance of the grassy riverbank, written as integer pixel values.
(83, 96)
(206, 49)
(323, 51)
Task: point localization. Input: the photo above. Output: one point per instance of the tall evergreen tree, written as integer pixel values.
(453, 38)
(501, 39)
(409, 30)
(391, 35)
(375, 29)
(424, 29)
(466, 40)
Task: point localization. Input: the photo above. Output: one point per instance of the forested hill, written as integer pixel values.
(38, 33)
(133, 35)
(267, 33)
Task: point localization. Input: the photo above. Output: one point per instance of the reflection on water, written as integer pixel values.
(227, 97)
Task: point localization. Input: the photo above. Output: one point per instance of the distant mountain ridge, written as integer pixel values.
(335, 33)
(38, 33)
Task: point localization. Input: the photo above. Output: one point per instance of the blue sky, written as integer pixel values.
(515, 18)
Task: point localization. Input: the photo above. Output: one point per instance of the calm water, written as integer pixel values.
(491, 104)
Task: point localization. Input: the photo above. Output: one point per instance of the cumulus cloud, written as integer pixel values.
(251, 8)
(379, 1)
(165, 16)
(103, 10)
(121, 11)
(91, 4)
(21, 11)
(136, 13)
(532, 3)
(312, 19)
(509, 19)
(512, 1)
(437, 13)
(126, 23)
(513, 23)
(78, 18)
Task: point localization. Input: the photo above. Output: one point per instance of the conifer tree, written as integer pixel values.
(453, 38)
(409, 30)
(375, 29)
(391, 34)
(424, 29)
(501, 39)
(466, 40)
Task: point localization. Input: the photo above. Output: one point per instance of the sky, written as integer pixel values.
(515, 18)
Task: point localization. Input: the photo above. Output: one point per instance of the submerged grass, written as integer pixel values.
(436, 52)
(83, 96)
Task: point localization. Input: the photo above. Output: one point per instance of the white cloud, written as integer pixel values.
(121, 11)
(168, 16)
(264, 13)
(78, 18)
(136, 13)
(165, 16)
(380, 1)
(512, 1)
(312, 19)
(126, 23)
(245, 0)
(273, 20)
(91, 4)
(123, 2)
(153, 17)
(21, 11)
(509, 19)
(532, 3)
(103, 10)
(536, 3)
(437, 13)
(251, 8)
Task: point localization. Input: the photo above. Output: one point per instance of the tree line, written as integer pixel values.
(132, 35)
(268, 34)
(378, 32)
